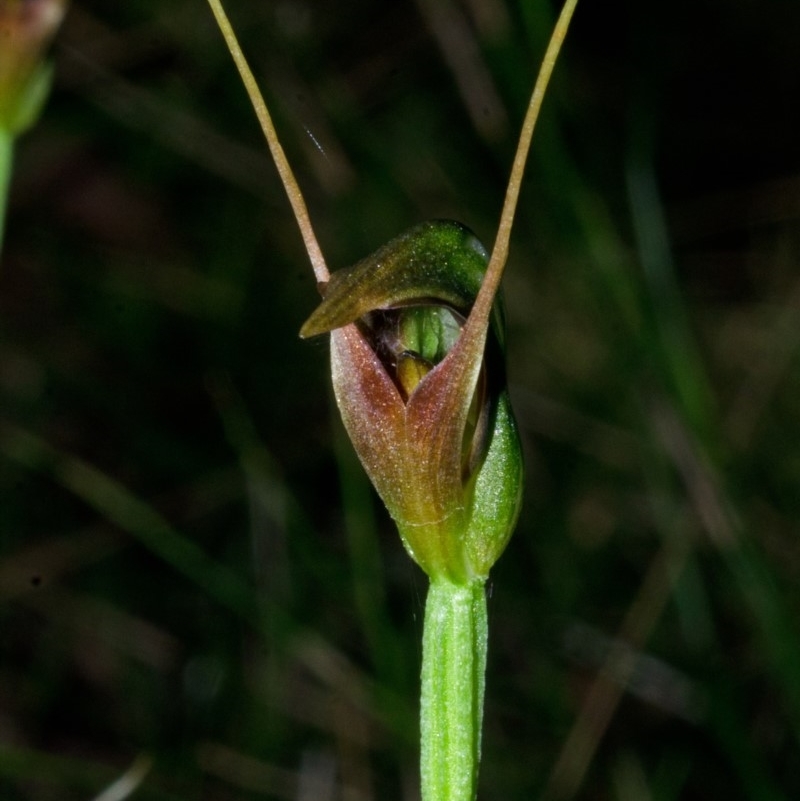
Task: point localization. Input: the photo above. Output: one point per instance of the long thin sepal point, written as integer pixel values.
(281, 162)
(497, 261)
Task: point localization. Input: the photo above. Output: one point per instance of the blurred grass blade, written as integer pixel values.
(735, 738)
(688, 435)
(109, 498)
(130, 781)
(6, 164)
(58, 773)
(675, 343)
(777, 626)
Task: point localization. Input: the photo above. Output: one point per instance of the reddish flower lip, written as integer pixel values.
(411, 451)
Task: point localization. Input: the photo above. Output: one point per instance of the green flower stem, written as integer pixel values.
(6, 159)
(454, 641)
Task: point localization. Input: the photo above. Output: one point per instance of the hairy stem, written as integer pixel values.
(454, 643)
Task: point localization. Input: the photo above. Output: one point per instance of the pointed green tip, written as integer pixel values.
(309, 330)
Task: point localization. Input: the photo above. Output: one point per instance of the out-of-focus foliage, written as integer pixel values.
(199, 590)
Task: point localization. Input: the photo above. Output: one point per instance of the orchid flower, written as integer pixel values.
(426, 411)
(26, 29)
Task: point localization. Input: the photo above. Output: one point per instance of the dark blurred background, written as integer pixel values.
(200, 597)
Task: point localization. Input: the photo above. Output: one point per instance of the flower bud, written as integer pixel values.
(426, 407)
(26, 28)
